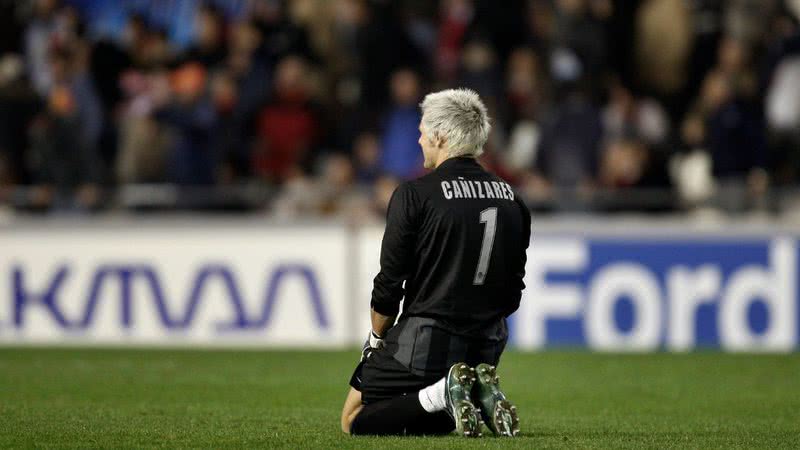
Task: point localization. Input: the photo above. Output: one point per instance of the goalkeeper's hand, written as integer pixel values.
(372, 343)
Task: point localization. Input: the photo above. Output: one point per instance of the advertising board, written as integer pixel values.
(175, 285)
(235, 284)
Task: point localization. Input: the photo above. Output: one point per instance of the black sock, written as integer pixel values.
(398, 416)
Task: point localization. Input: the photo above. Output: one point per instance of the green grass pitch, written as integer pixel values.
(70, 398)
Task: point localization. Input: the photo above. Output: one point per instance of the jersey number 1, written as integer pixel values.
(489, 217)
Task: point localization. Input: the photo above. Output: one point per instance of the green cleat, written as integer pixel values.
(498, 413)
(458, 385)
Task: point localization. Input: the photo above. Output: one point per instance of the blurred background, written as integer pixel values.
(308, 108)
(215, 174)
(207, 166)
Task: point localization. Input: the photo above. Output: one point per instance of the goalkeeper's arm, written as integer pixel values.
(381, 323)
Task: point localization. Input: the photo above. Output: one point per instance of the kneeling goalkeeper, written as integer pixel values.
(457, 237)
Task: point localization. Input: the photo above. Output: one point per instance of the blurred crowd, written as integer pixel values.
(318, 99)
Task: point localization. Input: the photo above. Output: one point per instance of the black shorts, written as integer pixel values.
(381, 377)
(417, 353)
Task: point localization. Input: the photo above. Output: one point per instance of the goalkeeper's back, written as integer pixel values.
(457, 237)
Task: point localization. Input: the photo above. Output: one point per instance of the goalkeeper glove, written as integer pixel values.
(372, 343)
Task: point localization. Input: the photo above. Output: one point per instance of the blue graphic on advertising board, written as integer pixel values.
(48, 296)
(647, 294)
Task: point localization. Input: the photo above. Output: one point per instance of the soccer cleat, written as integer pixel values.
(458, 385)
(498, 413)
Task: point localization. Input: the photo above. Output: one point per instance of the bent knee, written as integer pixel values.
(348, 417)
(352, 406)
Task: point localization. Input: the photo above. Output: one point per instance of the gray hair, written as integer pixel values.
(460, 118)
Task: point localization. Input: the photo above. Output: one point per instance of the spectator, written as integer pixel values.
(350, 16)
(336, 189)
(569, 148)
(733, 61)
(288, 127)
(735, 142)
(191, 118)
(748, 20)
(367, 156)
(579, 52)
(38, 39)
(18, 106)
(134, 40)
(143, 142)
(479, 72)
(401, 154)
(247, 67)
(524, 86)
(384, 30)
(209, 47)
(228, 136)
(691, 168)
(157, 51)
(783, 116)
(457, 15)
(778, 83)
(626, 115)
(6, 179)
(623, 163)
(63, 139)
(733, 134)
(663, 46)
(524, 110)
(540, 16)
(282, 37)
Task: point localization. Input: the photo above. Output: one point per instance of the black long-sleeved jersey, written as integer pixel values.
(458, 238)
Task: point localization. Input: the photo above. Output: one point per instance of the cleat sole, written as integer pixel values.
(499, 414)
(506, 421)
(459, 383)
